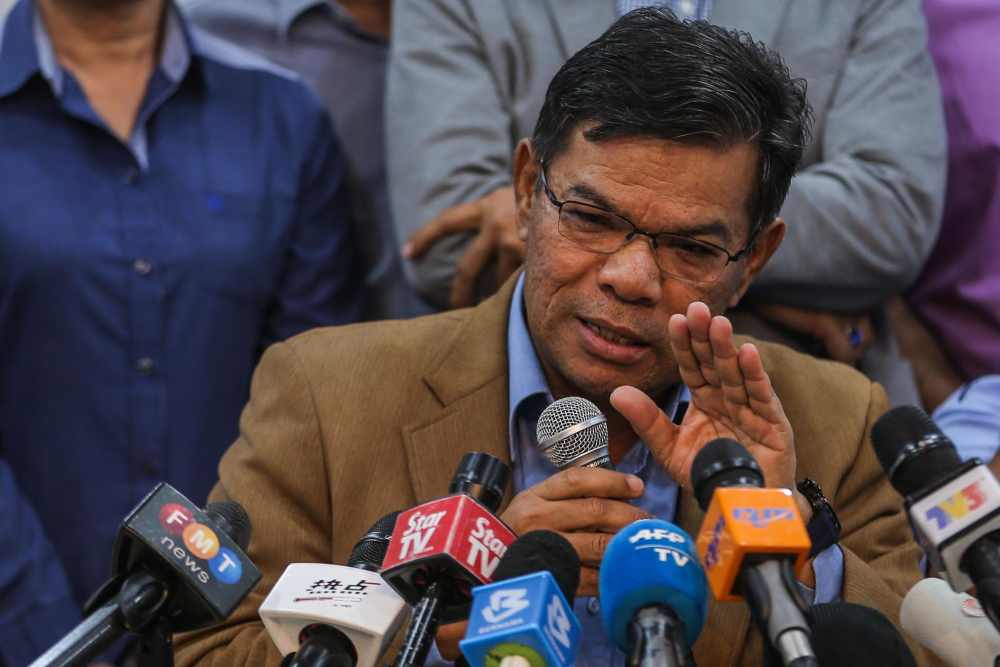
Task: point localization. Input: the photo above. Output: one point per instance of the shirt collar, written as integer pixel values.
(26, 49)
(526, 379)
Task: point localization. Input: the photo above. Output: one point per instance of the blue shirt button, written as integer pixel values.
(593, 606)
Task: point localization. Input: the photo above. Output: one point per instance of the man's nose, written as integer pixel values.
(632, 273)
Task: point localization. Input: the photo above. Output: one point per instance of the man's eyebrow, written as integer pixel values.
(713, 228)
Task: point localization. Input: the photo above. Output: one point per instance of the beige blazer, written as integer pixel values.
(347, 424)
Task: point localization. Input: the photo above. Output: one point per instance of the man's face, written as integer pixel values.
(599, 321)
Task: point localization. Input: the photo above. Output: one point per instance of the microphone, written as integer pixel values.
(335, 614)
(654, 599)
(525, 617)
(443, 548)
(952, 625)
(573, 432)
(750, 541)
(175, 568)
(954, 506)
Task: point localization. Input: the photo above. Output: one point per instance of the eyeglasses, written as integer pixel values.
(601, 231)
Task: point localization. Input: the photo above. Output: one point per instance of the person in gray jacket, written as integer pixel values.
(466, 81)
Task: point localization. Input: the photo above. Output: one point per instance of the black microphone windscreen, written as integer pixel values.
(859, 636)
(723, 462)
(912, 449)
(538, 551)
(369, 551)
(235, 521)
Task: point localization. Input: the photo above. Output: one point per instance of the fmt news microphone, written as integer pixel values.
(440, 549)
(336, 614)
(752, 543)
(654, 598)
(525, 617)
(573, 432)
(952, 625)
(175, 568)
(954, 506)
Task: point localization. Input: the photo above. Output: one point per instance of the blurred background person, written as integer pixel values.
(169, 206)
(340, 48)
(466, 80)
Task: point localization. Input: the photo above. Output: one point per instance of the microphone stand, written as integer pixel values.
(657, 638)
(423, 628)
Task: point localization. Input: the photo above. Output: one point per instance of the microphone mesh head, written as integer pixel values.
(370, 550)
(235, 521)
(912, 449)
(539, 551)
(564, 414)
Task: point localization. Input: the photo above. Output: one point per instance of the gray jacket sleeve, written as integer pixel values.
(448, 134)
(863, 218)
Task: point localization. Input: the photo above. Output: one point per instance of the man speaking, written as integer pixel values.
(647, 200)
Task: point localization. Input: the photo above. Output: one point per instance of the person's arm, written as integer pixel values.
(862, 220)
(321, 282)
(276, 471)
(448, 131)
(36, 604)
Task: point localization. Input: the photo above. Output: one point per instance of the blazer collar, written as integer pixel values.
(469, 381)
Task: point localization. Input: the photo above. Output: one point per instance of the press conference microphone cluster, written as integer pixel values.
(752, 542)
(334, 615)
(525, 617)
(954, 506)
(443, 548)
(175, 568)
(654, 598)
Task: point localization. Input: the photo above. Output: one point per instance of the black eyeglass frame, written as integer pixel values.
(636, 231)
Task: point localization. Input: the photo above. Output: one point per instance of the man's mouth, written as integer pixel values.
(617, 337)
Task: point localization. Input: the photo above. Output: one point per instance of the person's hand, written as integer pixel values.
(731, 396)
(494, 218)
(844, 337)
(586, 505)
(934, 372)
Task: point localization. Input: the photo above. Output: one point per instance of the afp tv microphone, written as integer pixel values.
(654, 599)
(954, 506)
(525, 617)
(175, 568)
(443, 548)
(752, 543)
(322, 615)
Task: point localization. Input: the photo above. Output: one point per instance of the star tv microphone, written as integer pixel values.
(752, 543)
(336, 614)
(952, 625)
(654, 599)
(573, 432)
(954, 506)
(443, 548)
(175, 568)
(525, 617)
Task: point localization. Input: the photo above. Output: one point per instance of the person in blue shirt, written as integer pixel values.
(169, 205)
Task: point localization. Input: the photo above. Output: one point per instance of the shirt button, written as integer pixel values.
(593, 606)
(142, 267)
(150, 469)
(131, 176)
(145, 365)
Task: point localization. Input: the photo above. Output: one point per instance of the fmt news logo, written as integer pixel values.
(201, 542)
(957, 506)
(762, 517)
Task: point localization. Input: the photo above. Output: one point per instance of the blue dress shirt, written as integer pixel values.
(971, 418)
(529, 394)
(139, 282)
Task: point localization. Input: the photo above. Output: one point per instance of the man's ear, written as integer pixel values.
(525, 182)
(767, 242)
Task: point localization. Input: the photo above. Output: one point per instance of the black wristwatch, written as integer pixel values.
(824, 527)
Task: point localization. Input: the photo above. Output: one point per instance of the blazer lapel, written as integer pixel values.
(577, 23)
(725, 619)
(470, 384)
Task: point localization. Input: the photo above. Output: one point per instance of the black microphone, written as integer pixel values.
(954, 506)
(175, 568)
(851, 634)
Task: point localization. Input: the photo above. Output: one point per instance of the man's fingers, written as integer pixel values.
(588, 587)
(589, 546)
(699, 319)
(648, 421)
(726, 361)
(758, 385)
(462, 218)
(476, 257)
(589, 483)
(687, 363)
(605, 515)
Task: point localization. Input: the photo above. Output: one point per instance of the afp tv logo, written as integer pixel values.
(198, 542)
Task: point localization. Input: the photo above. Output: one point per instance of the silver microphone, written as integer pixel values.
(572, 432)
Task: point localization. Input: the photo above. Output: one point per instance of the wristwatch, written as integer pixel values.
(824, 526)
